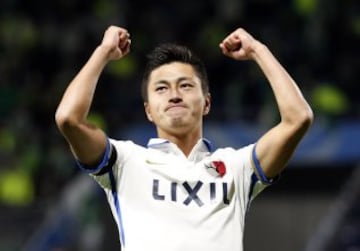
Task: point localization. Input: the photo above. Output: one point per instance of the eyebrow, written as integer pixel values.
(177, 80)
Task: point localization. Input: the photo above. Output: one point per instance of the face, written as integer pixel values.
(176, 103)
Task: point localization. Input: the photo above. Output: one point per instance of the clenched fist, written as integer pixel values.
(239, 45)
(116, 42)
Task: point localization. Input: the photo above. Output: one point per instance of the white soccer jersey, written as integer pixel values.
(165, 201)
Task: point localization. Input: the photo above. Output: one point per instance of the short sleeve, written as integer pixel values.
(258, 182)
(247, 182)
(107, 160)
(259, 169)
(119, 153)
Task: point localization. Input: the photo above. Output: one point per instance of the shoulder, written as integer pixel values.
(125, 145)
(126, 149)
(237, 158)
(231, 151)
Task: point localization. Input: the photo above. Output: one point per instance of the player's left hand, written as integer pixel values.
(239, 45)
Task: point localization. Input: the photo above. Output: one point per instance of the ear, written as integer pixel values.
(147, 111)
(207, 104)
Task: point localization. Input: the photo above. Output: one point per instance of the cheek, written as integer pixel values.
(199, 105)
(154, 108)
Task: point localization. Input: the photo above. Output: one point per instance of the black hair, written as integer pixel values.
(169, 53)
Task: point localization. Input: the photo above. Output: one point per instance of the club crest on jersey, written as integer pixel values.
(216, 168)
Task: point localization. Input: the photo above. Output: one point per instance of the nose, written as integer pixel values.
(175, 100)
(175, 96)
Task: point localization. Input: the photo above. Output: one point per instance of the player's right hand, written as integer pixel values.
(116, 42)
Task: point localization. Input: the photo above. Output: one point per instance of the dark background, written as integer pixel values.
(43, 44)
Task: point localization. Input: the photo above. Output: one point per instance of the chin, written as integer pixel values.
(177, 122)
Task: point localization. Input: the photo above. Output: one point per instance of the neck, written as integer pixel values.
(185, 142)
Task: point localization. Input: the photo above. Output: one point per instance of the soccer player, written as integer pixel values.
(176, 193)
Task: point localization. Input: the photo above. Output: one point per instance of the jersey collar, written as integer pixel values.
(203, 146)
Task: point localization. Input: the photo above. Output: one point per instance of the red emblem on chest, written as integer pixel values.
(218, 166)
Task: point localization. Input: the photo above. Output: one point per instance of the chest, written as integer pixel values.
(176, 181)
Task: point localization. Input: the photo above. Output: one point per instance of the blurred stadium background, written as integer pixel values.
(47, 204)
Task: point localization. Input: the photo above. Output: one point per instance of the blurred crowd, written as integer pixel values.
(43, 44)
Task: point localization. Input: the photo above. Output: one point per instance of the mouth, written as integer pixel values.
(175, 107)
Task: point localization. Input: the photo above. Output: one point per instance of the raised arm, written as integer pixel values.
(276, 147)
(88, 142)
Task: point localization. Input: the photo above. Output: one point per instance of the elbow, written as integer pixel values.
(300, 120)
(305, 118)
(308, 117)
(65, 121)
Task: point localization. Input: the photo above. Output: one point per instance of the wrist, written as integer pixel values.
(103, 52)
(258, 48)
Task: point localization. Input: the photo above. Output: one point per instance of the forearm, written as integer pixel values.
(292, 106)
(77, 99)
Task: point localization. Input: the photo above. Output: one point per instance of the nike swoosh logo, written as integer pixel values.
(155, 162)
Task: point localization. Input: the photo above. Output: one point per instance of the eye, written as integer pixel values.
(186, 85)
(160, 88)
